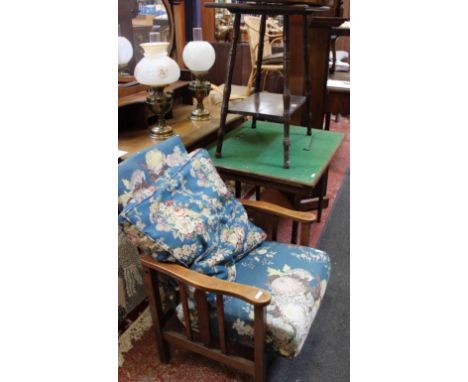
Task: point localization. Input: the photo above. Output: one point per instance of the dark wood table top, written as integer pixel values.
(273, 7)
(266, 105)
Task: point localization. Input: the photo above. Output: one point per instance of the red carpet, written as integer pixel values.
(141, 362)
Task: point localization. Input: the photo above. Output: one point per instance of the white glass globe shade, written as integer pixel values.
(156, 68)
(199, 56)
(125, 51)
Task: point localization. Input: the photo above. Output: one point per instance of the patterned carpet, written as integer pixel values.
(140, 363)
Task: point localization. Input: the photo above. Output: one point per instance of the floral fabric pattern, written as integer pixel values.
(136, 181)
(138, 173)
(296, 277)
(191, 215)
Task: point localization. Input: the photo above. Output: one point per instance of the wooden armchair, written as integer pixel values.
(278, 288)
(203, 342)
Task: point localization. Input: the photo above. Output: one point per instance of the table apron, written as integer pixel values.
(301, 190)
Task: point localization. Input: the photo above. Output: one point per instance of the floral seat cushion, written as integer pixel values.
(296, 276)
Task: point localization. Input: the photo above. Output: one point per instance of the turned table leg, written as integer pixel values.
(286, 92)
(305, 33)
(258, 74)
(227, 86)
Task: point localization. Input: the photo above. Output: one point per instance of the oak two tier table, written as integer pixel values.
(262, 105)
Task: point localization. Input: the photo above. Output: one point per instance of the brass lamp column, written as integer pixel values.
(199, 57)
(201, 89)
(160, 103)
(157, 70)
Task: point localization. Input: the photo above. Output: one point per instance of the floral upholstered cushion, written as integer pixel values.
(296, 276)
(138, 173)
(192, 216)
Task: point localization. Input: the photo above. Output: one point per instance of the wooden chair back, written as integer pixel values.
(253, 32)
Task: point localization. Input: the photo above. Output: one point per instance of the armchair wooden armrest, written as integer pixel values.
(305, 218)
(250, 294)
(274, 209)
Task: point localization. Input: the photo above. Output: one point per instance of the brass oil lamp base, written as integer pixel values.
(201, 89)
(160, 103)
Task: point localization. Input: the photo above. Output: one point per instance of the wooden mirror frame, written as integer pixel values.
(170, 15)
(128, 9)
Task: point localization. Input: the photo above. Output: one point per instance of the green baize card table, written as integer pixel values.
(255, 156)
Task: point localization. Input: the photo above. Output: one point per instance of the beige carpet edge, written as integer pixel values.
(134, 332)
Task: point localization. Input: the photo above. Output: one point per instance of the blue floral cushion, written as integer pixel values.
(138, 173)
(296, 276)
(192, 215)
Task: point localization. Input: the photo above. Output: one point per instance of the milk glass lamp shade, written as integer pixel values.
(125, 51)
(199, 56)
(156, 69)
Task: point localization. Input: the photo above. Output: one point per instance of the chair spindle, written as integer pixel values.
(183, 297)
(152, 289)
(221, 329)
(203, 317)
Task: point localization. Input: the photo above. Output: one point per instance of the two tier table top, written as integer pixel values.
(266, 105)
(259, 152)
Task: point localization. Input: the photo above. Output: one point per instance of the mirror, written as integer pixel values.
(152, 16)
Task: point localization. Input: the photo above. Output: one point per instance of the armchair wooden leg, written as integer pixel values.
(305, 234)
(260, 334)
(152, 290)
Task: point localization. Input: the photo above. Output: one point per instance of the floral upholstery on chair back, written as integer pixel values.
(139, 172)
(137, 175)
(191, 215)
